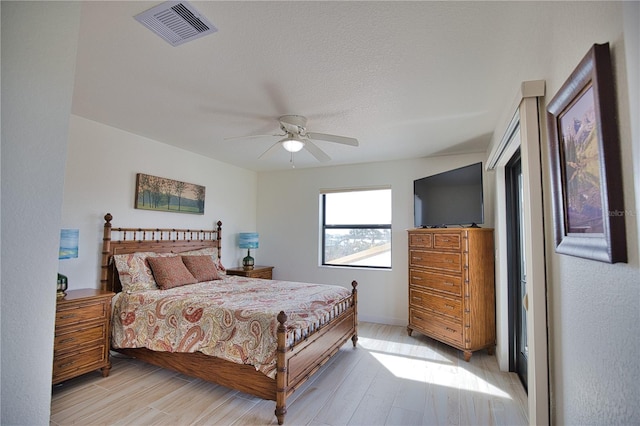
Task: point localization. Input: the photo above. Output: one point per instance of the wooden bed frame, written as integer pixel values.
(295, 362)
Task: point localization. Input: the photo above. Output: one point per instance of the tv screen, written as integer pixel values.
(449, 198)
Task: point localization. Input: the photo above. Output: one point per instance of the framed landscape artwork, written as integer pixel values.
(69, 243)
(168, 195)
(588, 205)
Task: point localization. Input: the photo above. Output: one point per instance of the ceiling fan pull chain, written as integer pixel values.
(293, 165)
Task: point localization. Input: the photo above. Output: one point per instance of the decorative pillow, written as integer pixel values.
(208, 251)
(201, 267)
(170, 272)
(134, 272)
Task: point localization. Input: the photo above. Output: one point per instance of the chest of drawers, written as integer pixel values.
(451, 287)
(81, 342)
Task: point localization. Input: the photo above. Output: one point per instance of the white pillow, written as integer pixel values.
(134, 271)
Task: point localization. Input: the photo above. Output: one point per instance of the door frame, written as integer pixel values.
(523, 130)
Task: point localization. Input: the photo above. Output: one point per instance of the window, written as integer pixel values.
(356, 228)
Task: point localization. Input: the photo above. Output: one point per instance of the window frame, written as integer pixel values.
(324, 227)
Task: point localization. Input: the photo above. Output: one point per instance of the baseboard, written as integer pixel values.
(382, 320)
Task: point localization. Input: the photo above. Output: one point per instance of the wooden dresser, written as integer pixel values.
(451, 287)
(81, 342)
(265, 272)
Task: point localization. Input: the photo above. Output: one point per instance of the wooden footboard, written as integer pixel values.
(299, 362)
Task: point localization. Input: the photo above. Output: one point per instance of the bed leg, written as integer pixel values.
(354, 292)
(281, 372)
(280, 412)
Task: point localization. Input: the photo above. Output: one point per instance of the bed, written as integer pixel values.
(298, 343)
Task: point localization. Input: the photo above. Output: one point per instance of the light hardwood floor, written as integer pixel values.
(389, 379)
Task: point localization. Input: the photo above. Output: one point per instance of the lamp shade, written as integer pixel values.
(248, 240)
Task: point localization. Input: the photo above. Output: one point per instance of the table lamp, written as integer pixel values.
(248, 240)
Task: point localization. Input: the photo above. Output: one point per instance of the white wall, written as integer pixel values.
(593, 311)
(594, 314)
(100, 177)
(39, 42)
(288, 222)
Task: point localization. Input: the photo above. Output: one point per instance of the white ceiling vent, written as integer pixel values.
(176, 22)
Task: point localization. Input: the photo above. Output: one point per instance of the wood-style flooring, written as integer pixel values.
(389, 379)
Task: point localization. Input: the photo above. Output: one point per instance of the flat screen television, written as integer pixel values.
(449, 198)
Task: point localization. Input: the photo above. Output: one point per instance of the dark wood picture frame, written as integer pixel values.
(586, 176)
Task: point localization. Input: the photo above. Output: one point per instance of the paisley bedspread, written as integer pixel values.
(233, 318)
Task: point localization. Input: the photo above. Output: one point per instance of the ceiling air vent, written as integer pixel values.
(176, 22)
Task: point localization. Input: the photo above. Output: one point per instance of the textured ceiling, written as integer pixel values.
(407, 79)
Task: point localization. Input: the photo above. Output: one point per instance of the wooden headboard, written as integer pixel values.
(131, 240)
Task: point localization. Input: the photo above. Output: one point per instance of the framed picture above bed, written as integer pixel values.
(168, 195)
(584, 157)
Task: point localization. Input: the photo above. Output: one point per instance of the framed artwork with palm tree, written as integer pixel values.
(588, 205)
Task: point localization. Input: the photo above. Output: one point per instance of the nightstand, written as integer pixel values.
(257, 272)
(81, 342)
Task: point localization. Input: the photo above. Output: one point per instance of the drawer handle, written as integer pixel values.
(67, 316)
(416, 278)
(417, 258)
(448, 283)
(417, 298)
(70, 339)
(67, 364)
(418, 318)
(450, 330)
(448, 306)
(449, 260)
(446, 240)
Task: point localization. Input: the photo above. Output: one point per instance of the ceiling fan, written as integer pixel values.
(296, 137)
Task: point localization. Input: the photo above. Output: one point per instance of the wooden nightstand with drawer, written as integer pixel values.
(265, 272)
(81, 342)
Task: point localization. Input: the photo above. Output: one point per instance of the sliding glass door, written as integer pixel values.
(519, 348)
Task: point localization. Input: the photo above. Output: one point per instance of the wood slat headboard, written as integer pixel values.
(160, 240)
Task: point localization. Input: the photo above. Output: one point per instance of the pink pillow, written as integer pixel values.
(170, 272)
(201, 267)
(210, 251)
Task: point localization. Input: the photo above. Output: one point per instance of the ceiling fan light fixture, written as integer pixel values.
(295, 137)
(291, 144)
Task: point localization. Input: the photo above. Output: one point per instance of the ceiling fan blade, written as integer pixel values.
(316, 152)
(270, 151)
(249, 137)
(332, 138)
